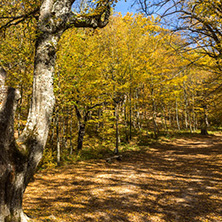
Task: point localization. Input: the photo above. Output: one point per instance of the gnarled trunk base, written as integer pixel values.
(16, 217)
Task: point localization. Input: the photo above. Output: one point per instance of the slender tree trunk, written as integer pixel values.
(52, 129)
(195, 121)
(154, 121)
(177, 116)
(155, 126)
(169, 116)
(164, 116)
(190, 122)
(186, 115)
(137, 111)
(193, 114)
(205, 123)
(117, 129)
(70, 134)
(58, 150)
(64, 130)
(81, 134)
(125, 119)
(186, 105)
(19, 112)
(82, 120)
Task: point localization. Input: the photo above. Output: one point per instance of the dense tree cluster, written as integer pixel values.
(102, 87)
(130, 78)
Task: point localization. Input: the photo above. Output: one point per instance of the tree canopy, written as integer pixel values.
(95, 90)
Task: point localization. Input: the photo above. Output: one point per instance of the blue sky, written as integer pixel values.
(124, 7)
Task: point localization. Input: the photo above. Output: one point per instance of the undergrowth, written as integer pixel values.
(95, 149)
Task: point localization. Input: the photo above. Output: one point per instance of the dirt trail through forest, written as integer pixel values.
(176, 181)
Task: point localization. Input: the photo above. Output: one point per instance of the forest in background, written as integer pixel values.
(131, 79)
(143, 86)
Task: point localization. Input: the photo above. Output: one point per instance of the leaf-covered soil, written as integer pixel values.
(180, 180)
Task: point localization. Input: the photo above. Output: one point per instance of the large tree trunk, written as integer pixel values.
(42, 100)
(18, 161)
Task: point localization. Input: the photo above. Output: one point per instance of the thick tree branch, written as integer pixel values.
(98, 19)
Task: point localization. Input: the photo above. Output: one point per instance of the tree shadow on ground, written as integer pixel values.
(180, 181)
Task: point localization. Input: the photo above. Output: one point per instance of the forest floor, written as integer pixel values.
(176, 180)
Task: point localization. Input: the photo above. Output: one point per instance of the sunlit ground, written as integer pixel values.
(179, 181)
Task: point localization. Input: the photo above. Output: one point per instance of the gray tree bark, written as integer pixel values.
(116, 151)
(19, 159)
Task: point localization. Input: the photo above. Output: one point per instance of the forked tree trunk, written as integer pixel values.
(18, 160)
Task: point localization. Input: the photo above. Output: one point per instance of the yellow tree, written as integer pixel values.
(81, 83)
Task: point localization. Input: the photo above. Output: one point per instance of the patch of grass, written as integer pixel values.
(96, 148)
(94, 152)
(129, 147)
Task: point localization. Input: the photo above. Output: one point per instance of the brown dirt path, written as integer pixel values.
(178, 181)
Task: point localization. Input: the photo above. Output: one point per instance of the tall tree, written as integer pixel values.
(19, 160)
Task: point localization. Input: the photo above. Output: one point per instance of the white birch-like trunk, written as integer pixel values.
(18, 160)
